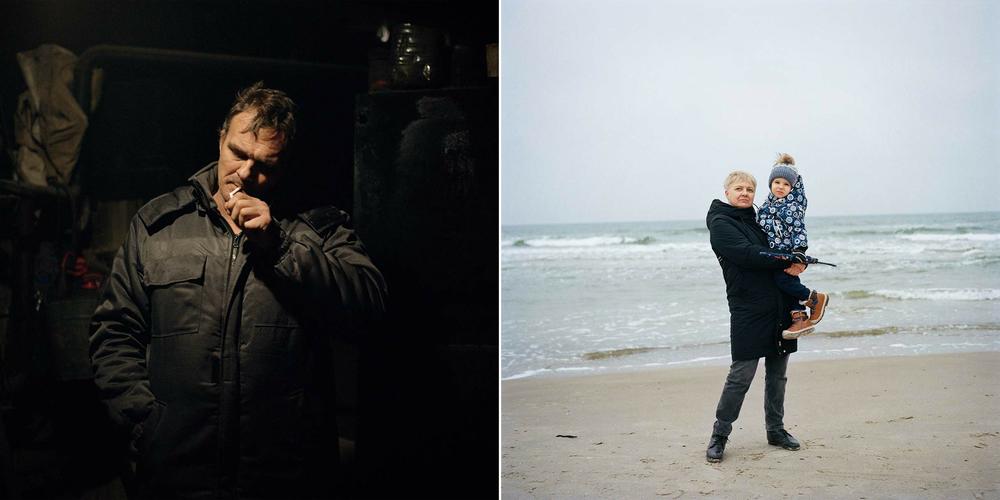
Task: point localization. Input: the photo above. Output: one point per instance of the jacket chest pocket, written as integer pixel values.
(176, 287)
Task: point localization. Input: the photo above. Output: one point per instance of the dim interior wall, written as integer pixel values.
(426, 187)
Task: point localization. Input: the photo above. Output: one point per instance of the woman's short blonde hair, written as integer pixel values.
(739, 176)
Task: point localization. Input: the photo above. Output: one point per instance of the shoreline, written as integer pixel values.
(831, 352)
(925, 426)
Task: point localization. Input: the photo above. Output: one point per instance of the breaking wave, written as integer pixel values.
(590, 242)
(965, 294)
(951, 237)
(908, 230)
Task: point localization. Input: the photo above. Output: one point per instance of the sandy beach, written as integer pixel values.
(893, 427)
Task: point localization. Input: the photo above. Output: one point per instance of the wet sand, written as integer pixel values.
(896, 427)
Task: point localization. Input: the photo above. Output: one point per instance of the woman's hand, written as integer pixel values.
(795, 269)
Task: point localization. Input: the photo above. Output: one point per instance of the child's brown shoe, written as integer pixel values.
(800, 326)
(817, 306)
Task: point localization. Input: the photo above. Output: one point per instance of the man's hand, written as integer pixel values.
(253, 216)
(795, 269)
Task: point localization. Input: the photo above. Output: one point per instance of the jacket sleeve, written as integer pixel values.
(329, 260)
(731, 244)
(119, 335)
(766, 221)
(794, 215)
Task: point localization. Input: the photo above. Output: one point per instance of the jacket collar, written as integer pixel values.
(205, 183)
(720, 207)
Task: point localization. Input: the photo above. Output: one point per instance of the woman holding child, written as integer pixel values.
(761, 321)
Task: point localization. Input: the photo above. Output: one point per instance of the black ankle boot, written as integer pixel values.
(716, 446)
(783, 439)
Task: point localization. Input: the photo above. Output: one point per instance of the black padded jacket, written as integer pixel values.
(758, 311)
(217, 357)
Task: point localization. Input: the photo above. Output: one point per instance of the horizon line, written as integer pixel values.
(502, 224)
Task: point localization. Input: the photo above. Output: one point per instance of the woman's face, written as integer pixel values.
(740, 194)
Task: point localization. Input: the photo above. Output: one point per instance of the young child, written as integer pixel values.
(782, 217)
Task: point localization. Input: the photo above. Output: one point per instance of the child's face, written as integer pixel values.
(780, 187)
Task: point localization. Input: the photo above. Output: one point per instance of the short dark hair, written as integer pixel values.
(275, 110)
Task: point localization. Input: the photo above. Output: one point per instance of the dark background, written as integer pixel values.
(417, 168)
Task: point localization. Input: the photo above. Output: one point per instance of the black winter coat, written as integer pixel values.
(758, 310)
(217, 357)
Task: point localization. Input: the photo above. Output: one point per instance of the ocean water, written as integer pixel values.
(591, 298)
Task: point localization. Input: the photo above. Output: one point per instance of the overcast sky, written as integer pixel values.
(637, 110)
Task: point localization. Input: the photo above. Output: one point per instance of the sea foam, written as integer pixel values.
(941, 294)
(951, 237)
(925, 294)
(593, 241)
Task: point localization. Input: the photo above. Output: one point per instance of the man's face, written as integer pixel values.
(740, 194)
(252, 162)
(780, 187)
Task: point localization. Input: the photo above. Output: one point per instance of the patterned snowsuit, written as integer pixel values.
(783, 219)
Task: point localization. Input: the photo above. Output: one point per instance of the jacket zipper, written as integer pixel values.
(233, 249)
(232, 257)
(233, 253)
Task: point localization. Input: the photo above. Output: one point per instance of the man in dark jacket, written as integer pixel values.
(758, 313)
(212, 342)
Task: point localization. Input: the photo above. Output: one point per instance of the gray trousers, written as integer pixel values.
(740, 375)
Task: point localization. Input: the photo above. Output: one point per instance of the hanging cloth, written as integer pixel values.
(49, 124)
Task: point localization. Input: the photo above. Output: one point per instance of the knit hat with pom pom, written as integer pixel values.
(784, 167)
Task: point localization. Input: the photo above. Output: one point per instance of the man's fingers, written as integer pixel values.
(244, 209)
(233, 199)
(252, 217)
(258, 222)
(239, 206)
(234, 212)
(247, 212)
(246, 215)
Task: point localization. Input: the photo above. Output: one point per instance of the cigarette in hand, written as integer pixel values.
(233, 192)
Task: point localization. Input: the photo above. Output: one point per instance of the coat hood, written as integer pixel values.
(720, 207)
